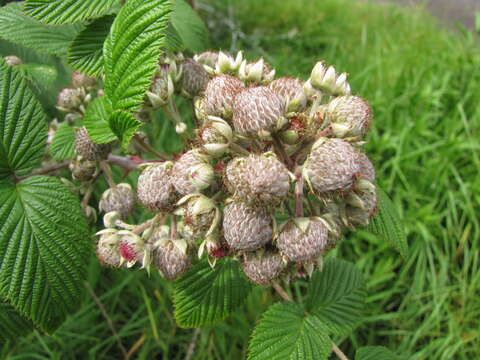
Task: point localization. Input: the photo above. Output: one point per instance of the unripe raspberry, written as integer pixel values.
(107, 251)
(263, 268)
(13, 60)
(194, 78)
(367, 171)
(257, 179)
(69, 99)
(89, 149)
(215, 136)
(219, 94)
(131, 247)
(200, 214)
(82, 80)
(302, 240)
(291, 90)
(170, 259)
(120, 198)
(331, 166)
(361, 206)
(192, 173)
(83, 169)
(246, 227)
(155, 189)
(162, 88)
(349, 116)
(258, 72)
(258, 111)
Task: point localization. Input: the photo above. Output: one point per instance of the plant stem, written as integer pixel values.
(149, 148)
(277, 144)
(45, 170)
(125, 162)
(239, 149)
(107, 172)
(193, 342)
(173, 229)
(339, 352)
(140, 228)
(298, 192)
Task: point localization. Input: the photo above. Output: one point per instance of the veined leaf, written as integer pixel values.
(42, 76)
(63, 143)
(386, 223)
(67, 11)
(375, 353)
(172, 39)
(336, 296)
(42, 250)
(96, 120)
(285, 332)
(86, 52)
(189, 26)
(21, 29)
(23, 125)
(132, 49)
(205, 296)
(12, 325)
(124, 125)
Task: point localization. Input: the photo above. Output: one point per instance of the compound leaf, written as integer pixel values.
(23, 125)
(123, 125)
(96, 120)
(132, 49)
(336, 296)
(44, 242)
(206, 296)
(287, 332)
(63, 143)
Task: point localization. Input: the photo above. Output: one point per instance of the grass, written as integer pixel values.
(424, 84)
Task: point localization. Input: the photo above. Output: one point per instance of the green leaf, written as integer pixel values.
(336, 296)
(206, 296)
(86, 52)
(286, 332)
(67, 11)
(172, 39)
(44, 244)
(63, 143)
(12, 325)
(124, 125)
(374, 353)
(132, 49)
(96, 120)
(23, 125)
(41, 76)
(189, 26)
(21, 29)
(386, 223)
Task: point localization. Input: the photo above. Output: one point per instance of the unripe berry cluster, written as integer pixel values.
(275, 173)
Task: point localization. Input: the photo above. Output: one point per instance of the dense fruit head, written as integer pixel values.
(192, 173)
(258, 111)
(257, 179)
(331, 166)
(349, 116)
(219, 94)
(82, 80)
(170, 260)
(120, 198)
(83, 169)
(155, 189)
(291, 90)
(367, 171)
(88, 149)
(194, 78)
(69, 99)
(263, 268)
(246, 227)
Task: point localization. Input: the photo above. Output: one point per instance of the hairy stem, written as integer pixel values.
(173, 229)
(140, 228)
(45, 169)
(280, 150)
(239, 149)
(149, 148)
(107, 172)
(299, 192)
(126, 162)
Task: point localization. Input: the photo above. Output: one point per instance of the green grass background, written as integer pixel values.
(423, 82)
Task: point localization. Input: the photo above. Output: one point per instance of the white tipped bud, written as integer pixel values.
(110, 219)
(326, 79)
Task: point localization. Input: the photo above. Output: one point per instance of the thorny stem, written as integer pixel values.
(277, 144)
(45, 170)
(173, 229)
(125, 162)
(283, 294)
(298, 192)
(149, 148)
(107, 318)
(107, 172)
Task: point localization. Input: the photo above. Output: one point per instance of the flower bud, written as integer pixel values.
(349, 116)
(69, 100)
(200, 214)
(216, 136)
(257, 179)
(194, 78)
(155, 189)
(246, 227)
(89, 149)
(258, 111)
(302, 240)
(171, 258)
(208, 59)
(131, 247)
(80, 80)
(326, 79)
(120, 198)
(295, 131)
(291, 90)
(264, 267)
(256, 72)
(13, 60)
(219, 94)
(161, 90)
(192, 173)
(331, 166)
(83, 169)
(90, 214)
(107, 251)
(361, 206)
(110, 219)
(227, 64)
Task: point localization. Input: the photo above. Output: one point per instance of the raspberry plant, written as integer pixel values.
(273, 175)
